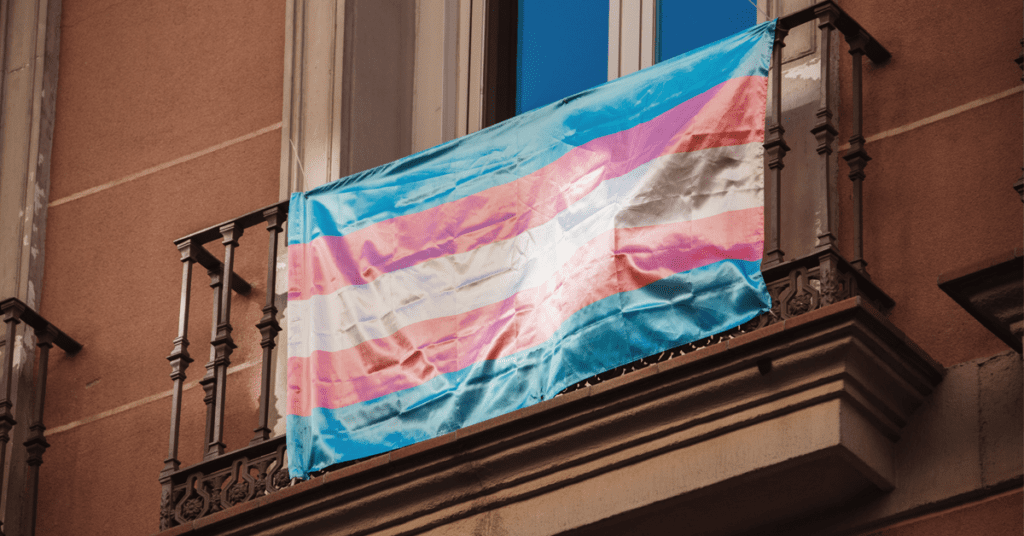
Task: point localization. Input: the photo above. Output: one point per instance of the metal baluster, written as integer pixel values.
(824, 131)
(857, 157)
(179, 358)
(776, 148)
(223, 344)
(268, 325)
(11, 310)
(209, 379)
(36, 443)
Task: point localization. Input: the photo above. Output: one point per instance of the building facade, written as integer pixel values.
(146, 145)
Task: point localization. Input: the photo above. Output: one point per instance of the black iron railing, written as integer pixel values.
(219, 482)
(796, 285)
(13, 312)
(824, 276)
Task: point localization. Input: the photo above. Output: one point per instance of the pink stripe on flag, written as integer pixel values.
(712, 119)
(643, 255)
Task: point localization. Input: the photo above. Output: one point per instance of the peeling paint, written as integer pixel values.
(808, 71)
(19, 350)
(40, 194)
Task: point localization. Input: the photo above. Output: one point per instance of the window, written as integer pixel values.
(684, 25)
(562, 48)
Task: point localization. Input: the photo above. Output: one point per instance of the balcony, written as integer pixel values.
(788, 415)
(14, 312)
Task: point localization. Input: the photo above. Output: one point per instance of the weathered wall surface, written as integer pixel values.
(168, 121)
(943, 124)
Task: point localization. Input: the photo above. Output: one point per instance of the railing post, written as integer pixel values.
(11, 311)
(36, 443)
(14, 311)
(179, 360)
(222, 343)
(824, 130)
(857, 158)
(776, 148)
(209, 380)
(268, 325)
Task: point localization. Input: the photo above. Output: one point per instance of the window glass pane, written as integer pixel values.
(562, 49)
(684, 25)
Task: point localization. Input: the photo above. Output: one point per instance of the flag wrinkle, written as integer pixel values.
(353, 205)
(541, 265)
(489, 273)
(632, 275)
(663, 177)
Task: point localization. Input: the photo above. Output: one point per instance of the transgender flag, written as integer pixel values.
(491, 272)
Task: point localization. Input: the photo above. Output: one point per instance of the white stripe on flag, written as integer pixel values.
(715, 181)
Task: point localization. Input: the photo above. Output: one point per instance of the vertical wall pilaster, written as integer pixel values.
(28, 82)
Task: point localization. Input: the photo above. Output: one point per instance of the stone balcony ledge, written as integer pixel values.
(766, 428)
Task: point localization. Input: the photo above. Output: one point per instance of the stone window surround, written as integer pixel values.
(447, 77)
(446, 87)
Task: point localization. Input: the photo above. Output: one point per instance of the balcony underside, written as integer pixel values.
(765, 428)
(992, 291)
